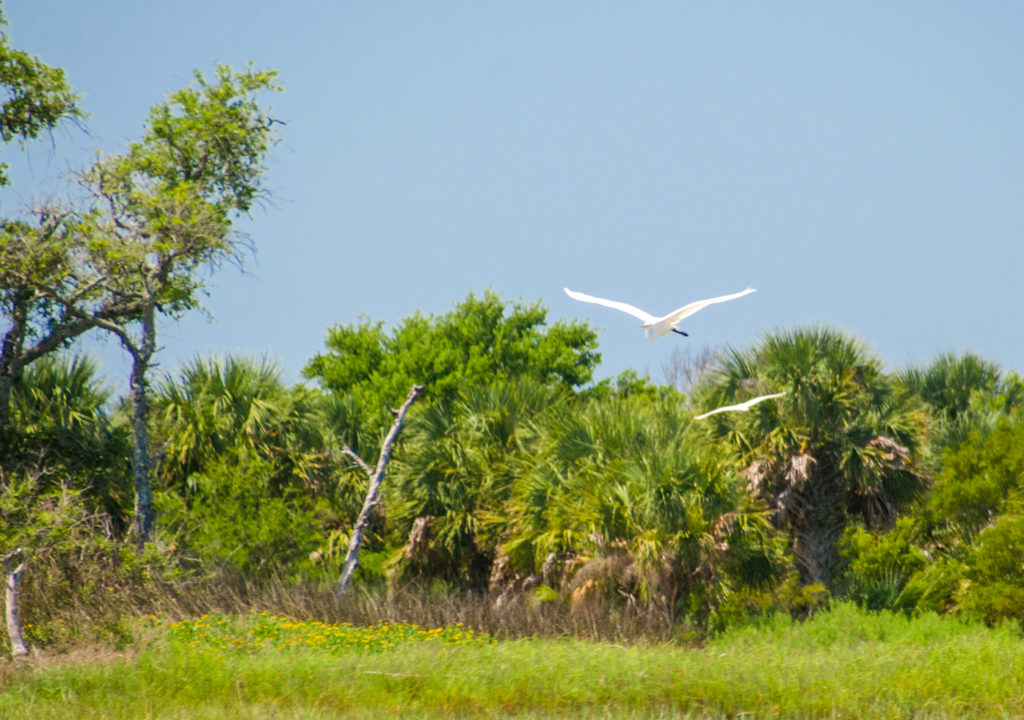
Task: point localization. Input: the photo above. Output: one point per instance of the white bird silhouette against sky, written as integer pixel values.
(742, 407)
(655, 327)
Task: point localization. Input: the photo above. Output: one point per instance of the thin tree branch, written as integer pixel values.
(345, 449)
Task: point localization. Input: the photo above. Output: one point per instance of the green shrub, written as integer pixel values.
(996, 573)
(877, 565)
(933, 588)
(232, 520)
(79, 580)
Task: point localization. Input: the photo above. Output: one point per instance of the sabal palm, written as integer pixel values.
(628, 473)
(60, 421)
(217, 405)
(841, 442)
(456, 465)
(68, 393)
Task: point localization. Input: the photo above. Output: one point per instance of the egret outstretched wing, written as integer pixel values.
(687, 310)
(614, 304)
(742, 407)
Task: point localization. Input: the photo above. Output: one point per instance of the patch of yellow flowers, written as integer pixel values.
(263, 631)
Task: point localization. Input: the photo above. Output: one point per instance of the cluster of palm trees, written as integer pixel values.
(515, 482)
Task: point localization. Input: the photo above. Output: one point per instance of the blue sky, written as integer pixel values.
(860, 164)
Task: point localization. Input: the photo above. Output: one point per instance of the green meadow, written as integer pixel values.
(845, 663)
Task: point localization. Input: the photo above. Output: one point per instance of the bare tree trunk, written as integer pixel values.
(18, 648)
(141, 351)
(140, 453)
(376, 477)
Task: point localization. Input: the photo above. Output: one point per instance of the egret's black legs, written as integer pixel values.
(680, 332)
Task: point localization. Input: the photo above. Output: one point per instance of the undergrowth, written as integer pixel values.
(844, 663)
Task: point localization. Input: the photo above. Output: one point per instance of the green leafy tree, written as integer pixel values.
(877, 566)
(969, 527)
(162, 212)
(840, 444)
(239, 517)
(995, 588)
(36, 96)
(36, 258)
(482, 340)
(980, 480)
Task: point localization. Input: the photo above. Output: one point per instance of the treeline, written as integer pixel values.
(518, 477)
(516, 474)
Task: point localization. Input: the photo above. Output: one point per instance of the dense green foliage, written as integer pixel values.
(480, 341)
(130, 247)
(962, 394)
(531, 490)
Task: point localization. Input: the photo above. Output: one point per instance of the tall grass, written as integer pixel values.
(55, 623)
(846, 663)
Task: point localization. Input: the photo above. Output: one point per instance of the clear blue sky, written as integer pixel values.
(860, 164)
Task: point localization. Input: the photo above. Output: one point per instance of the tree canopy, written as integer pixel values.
(36, 96)
(478, 342)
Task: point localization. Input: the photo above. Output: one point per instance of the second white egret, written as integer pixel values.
(742, 407)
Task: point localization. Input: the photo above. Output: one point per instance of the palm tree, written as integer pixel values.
(246, 467)
(840, 444)
(455, 473)
(627, 483)
(220, 405)
(61, 430)
(62, 396)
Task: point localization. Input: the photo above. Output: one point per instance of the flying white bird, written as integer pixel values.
(742, 407)
(655, 327)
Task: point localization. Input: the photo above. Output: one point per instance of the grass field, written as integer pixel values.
(843, 664)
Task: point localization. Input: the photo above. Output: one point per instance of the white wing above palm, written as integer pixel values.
(741, 407)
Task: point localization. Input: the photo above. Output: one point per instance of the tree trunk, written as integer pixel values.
(817, 522)
(140, 451)
(18, 648)
(376, 477)
(141, 351)
(6, 385)
(10, 355)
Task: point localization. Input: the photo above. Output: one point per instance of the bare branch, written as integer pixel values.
(352, 559)
(362, 463)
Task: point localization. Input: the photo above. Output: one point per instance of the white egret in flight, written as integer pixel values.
(655, 327)
(742, 407)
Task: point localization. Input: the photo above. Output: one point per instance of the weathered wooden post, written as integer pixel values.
(376, 476)
(18, 648)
